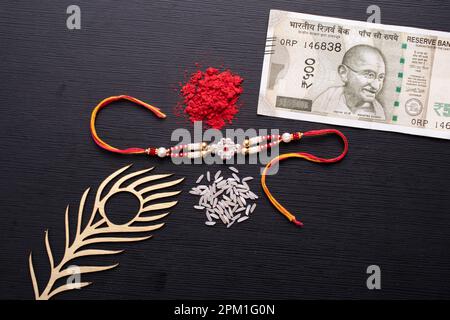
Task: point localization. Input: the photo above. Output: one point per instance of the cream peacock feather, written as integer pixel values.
(99, 228)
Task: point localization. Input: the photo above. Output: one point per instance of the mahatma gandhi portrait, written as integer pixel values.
(362, 71)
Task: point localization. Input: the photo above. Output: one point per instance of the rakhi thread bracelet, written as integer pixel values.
(225, 148)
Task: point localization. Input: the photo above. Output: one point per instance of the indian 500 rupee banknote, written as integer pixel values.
(356, 74)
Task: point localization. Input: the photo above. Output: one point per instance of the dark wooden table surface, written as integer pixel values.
(386, 204)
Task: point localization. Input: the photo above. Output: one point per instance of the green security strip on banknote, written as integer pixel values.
(357, 74)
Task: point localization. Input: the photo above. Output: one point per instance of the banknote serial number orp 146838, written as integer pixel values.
(315, 45)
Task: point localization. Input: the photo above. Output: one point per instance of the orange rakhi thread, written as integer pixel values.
(225, 148)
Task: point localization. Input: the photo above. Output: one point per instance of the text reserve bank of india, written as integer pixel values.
(357, 74)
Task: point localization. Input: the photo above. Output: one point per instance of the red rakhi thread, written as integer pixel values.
(303, 155)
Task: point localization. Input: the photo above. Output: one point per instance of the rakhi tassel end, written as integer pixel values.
(297, 222)
(307, 156)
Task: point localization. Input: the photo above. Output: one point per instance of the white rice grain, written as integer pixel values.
(213, 215)
(224, 199)
(236, 217)
(242, 219)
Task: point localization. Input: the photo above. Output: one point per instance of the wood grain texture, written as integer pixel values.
(386, 203)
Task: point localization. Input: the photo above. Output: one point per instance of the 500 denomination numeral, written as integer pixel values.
(309, 72)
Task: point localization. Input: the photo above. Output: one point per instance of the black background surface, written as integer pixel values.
(387, 203)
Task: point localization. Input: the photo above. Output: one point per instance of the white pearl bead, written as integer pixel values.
(162, 152)
(194, 154)
(255, 140)
(286, 137)
(254, 149)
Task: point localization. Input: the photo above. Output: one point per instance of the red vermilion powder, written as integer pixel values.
(211, 96)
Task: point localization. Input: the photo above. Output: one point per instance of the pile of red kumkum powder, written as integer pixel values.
(211, 96)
